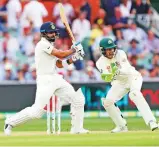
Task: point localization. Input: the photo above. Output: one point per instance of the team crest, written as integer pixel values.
(108, 68)
(110, 41)
(52, 26)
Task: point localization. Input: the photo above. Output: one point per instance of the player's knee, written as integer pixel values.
(135, 95)
(107, 102)
(78, 103)
(79, 99)
(80, 96)
(36, 113)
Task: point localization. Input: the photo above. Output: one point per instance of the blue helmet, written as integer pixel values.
(49, 27)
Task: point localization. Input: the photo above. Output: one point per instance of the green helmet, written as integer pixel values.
(106, 43)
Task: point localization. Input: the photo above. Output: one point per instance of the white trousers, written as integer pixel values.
(133, 86)
(52, 84)
(47, 86)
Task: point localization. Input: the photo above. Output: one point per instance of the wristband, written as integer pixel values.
(65, 63)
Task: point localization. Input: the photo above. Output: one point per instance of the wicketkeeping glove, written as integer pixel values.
(114, 68)
(107, 77)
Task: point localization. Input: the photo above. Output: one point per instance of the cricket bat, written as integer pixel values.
(65, 22)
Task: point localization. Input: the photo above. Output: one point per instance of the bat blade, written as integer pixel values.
(65, 22)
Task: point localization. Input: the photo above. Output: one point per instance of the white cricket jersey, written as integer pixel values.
(44, 61)
(120, 59)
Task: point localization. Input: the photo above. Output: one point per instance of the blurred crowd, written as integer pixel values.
(19, 33)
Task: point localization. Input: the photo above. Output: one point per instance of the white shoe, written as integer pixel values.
(120, 129)
(84, 131)
(153, 125)
(7, 129)
(81, 131)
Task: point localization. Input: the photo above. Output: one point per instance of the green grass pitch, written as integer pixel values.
(33, 133)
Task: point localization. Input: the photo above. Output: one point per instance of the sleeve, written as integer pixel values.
(18, 7)
(71, 11)
(98, 67)
(44, 11)
(74, 27)
(56, 11)
(23, 18)
(47, 47)
(101, 68)
(124, 63)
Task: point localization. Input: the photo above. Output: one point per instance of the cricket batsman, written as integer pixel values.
(49, 82)
(115, 68)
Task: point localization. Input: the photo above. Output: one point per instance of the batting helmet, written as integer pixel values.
(48, 27)
(105, 44)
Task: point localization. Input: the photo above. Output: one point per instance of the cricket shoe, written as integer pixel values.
(153, 125)
(7, 129)
(120, 129)
(81, 131)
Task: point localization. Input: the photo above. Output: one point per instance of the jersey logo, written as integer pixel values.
(48, 48)
(108, 68)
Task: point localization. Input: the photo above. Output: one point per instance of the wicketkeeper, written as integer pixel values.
(115, 68)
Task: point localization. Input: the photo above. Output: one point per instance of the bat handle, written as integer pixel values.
(75, 43)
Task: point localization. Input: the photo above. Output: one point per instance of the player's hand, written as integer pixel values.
(107, 77)
(79, 48)
(115, 69)
(76, 56)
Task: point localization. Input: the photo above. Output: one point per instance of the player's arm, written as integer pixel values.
(124, 63)
(59, 63)
(106, 75)
(62, 54)
(64, 63)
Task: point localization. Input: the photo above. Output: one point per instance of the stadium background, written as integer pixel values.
(17, 75)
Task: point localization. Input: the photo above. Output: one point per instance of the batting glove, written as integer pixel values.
(79, 48)
(76, 57)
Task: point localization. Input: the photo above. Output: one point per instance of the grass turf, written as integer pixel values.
(33, 133)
